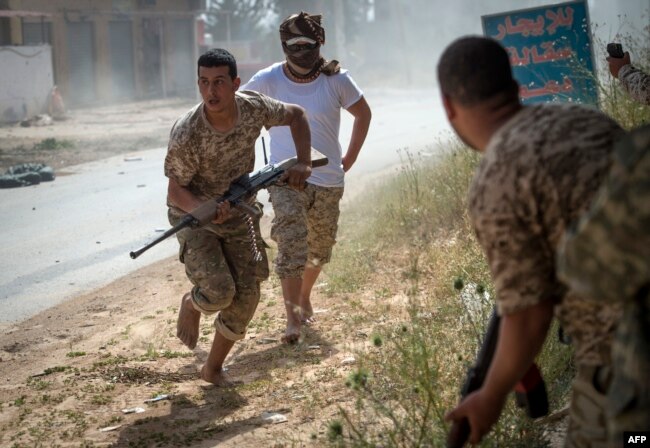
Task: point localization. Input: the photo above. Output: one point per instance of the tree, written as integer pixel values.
(237, 19)
(351, 13)
(258, 21)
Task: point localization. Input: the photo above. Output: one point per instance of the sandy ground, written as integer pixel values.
(68, 373)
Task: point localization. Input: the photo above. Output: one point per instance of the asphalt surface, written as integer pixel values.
(63, 238)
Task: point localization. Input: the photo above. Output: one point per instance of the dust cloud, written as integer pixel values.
(388, 43)
(383, 43)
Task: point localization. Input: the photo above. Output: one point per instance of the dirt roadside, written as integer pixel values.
(91, 134)
(72, 370)
(69, 372)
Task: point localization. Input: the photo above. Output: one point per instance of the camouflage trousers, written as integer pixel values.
(587, 413)
(628, 406)
(304, 226)
(219, 263)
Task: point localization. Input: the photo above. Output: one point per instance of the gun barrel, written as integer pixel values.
(460, 430)
(186, 221)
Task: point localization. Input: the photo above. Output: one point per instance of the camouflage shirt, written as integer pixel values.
(636, 83)
(205, 160)
(538, 174)
(607, 256)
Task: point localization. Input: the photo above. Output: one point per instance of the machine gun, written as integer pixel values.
(530, 391)
(240, 190)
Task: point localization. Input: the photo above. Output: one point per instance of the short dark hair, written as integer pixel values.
(218, 57)
(473, 69)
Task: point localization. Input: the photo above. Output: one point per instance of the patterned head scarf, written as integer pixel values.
(303, 24)
(308, 25)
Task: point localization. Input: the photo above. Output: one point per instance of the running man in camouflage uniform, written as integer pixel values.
(540, 168)
(607, 257)
(305, 222)
(635, 82)
(209, 147)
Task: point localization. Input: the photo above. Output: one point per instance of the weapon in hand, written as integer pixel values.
(237, 193)
(530, 390)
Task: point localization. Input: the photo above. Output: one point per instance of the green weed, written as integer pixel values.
(53, 144)
(411, 373)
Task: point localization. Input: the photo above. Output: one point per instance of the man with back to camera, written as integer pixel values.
(209, 147)
(541, 166)
(305, 222)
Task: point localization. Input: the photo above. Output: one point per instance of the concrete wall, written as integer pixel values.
(25, 81)
(98, 85)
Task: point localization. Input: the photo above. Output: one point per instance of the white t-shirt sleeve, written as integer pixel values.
(348, 90)
(257, 83)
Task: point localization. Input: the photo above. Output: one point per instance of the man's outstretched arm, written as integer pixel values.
(635, 82)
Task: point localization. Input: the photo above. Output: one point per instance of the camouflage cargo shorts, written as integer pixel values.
(304, 226)
(219, 263)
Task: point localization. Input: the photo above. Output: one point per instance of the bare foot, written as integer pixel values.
(292, 333)
(217, 377)
(306, 312)
(187, 326)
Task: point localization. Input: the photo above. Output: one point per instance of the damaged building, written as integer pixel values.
(96, 52)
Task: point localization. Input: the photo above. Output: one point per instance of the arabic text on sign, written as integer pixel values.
(550, 88)
(532, 55)
(528, 27)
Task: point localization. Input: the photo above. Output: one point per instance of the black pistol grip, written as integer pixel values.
(615, 50)
(248, 209)
(531, 393)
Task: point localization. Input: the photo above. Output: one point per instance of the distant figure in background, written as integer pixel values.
(305, 222)
(210, 146)
(56, 107)
(540, 168)
(635, 82)
(607, 257)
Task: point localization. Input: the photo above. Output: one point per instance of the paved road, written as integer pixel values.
(66, 237)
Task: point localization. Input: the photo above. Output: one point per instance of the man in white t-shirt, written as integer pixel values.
(305, 222)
